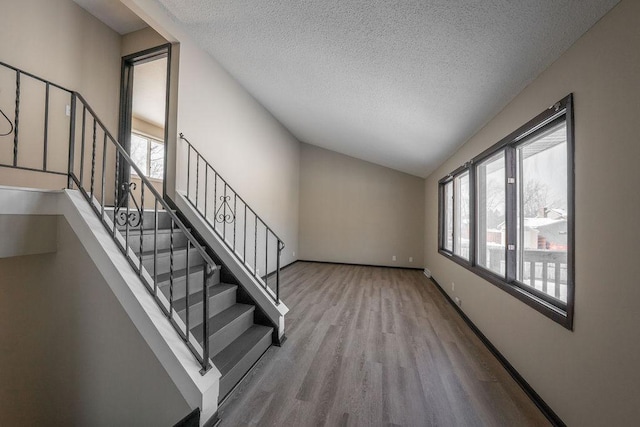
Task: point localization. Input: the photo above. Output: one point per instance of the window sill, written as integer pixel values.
(544, 307)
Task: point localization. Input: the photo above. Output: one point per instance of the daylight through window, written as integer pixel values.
(148, 154)
(507, 214)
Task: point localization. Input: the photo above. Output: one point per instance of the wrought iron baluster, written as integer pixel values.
(93, 157)
(206, 189)
(188, 166)
(255, 246)
(126, 225)
(72, 143)
(141, 229)
(224, 220)
(84, 120)
(155, 247)
(244, 236)
(266, 256)
(187, 290)
(103, 180)
(215, 200)
(235, 209)
(115, 195)
(278, 270)
(16, 120)
(46, 128)
(197, 177)
(208, 272)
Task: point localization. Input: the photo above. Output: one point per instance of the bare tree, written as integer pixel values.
(536, 195)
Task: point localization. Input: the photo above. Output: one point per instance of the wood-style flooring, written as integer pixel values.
(369, 346)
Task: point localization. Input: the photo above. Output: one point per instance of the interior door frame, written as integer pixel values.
(126, 106)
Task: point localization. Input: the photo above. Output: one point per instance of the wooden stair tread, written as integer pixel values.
(220, 320)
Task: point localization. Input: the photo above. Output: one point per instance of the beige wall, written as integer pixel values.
(356, 212)
(140, 40)
(61, 42)
(62, 332)
(588, 376)
(27, 235)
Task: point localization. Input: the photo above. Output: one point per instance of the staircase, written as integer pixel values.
(220, 315)
(236, 342)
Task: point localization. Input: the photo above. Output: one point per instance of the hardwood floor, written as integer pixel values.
(370, 346)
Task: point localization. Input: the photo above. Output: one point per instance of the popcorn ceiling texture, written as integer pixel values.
(399, 83)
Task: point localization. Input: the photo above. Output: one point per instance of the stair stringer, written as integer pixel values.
(198, 390)
(274, 311)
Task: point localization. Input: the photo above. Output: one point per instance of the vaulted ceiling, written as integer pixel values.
(400, 83)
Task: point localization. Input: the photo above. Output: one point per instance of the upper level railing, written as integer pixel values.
(55, 131)
(253, 243)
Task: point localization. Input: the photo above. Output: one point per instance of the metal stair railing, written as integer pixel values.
(93, 166)
(252, 242)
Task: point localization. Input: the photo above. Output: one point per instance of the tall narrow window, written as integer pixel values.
(542, 211)
(462, 215)
(447, 242)
(491, 217)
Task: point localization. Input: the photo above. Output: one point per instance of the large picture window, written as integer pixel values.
(507, 214)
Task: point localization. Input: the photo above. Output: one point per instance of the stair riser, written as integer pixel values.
(231, 378)
(224, 337)
(195, 284)
(179, 261)
(217, 304)
(164, 241)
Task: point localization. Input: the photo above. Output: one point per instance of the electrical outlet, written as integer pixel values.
(458, 301)
(67, 110)
(393, 258)
(410, 259)
(294, 253)
(453, 286)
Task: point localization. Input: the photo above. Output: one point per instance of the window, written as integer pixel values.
(448, 217)
(461, 221)
(148, 154)
(542, 212)
(507, 215)
(491, 216)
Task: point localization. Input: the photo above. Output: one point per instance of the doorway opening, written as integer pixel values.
(144, 102)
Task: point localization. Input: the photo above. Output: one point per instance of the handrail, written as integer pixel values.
(223, 219)
(93, 187)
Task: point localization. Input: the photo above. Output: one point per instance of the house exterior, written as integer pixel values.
(586, 375)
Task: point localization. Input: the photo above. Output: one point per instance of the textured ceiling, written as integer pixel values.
(400, 83)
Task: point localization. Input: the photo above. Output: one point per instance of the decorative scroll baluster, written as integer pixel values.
(141, 230)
